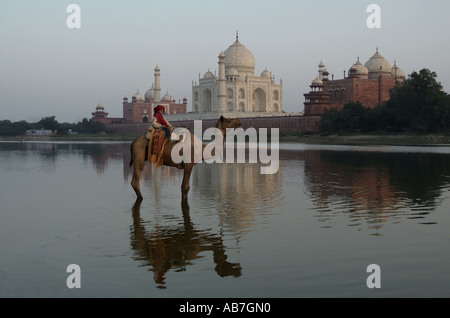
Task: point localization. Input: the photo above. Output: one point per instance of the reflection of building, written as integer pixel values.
(239, 189)
(236, 88)
(368, 84)
(356, 184)
(140, 109)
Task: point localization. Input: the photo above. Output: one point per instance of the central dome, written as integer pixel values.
(239, 57)
(378, 64)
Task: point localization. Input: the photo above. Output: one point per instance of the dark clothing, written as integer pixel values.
(167, 130)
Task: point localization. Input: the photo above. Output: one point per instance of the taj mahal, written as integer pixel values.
(236, 88)
(234, 91)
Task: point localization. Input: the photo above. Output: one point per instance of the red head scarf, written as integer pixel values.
(159, 117)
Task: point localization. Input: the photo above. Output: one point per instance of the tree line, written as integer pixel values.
(86, 126)
(419, 105)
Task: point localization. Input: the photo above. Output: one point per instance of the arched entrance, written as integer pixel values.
(259, 100)
(207, 100)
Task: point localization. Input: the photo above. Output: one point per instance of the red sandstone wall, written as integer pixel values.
(283, 123)
(362, 90)
(178, 109)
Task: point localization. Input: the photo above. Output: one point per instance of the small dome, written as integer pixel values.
(266, 74)
(378, 63)
(208, 75)
(138, 96)
(360, 69)
(150, 93)
(317, 82)
(100, 107)
(232, 72)
(167, 96)
(397, 72)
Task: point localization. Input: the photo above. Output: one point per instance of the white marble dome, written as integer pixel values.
(167, 96)
(149, 93)
(266, 74)
(240, 58)
(138, 96)
(397, 72)
(378, 63)
(317, 82)
(231, 72)
(208, 74)
(360, 69)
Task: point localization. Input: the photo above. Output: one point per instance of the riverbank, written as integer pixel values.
(70, 138)
(368, 139)
(383, 139)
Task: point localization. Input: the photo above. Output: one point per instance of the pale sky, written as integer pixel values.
(47, 69)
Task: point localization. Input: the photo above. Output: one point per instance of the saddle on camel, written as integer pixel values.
(158, 134)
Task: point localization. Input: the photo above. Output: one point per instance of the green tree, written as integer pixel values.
(419, 104)
(49, 123)
(376, 118)
(89, 126)
(329, 122)
(8, 128)
(352, 118)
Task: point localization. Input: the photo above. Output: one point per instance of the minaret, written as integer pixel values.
(221, 94)
(157, 89)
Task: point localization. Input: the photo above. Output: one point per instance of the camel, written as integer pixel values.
(165, 248)
(139, 157)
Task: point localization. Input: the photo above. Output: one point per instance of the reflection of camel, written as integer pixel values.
(139, 156)
(166, 248)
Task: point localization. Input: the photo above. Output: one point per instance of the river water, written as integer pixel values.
(310, 230)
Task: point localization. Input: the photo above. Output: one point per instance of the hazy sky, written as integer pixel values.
(48, 69)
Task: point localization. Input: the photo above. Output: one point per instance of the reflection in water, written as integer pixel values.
(371, 188)
(236, 195)
(368, 188)
(375, 187)
(239, 192)
(174, 247)
(238, 219)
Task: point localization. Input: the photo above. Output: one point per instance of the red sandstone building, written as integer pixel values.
(140, 109)
(368, 84)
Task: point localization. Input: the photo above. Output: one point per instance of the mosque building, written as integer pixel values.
(140, 108)
(368, 84)
(236, 88)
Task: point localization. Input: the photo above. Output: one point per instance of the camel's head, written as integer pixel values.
(225, 123)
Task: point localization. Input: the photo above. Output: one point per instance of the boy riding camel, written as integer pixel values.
(159, 122)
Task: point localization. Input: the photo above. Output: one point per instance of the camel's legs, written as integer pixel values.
(137, 169)
(185, 185)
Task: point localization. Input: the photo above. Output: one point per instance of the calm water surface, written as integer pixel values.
(310, 230)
